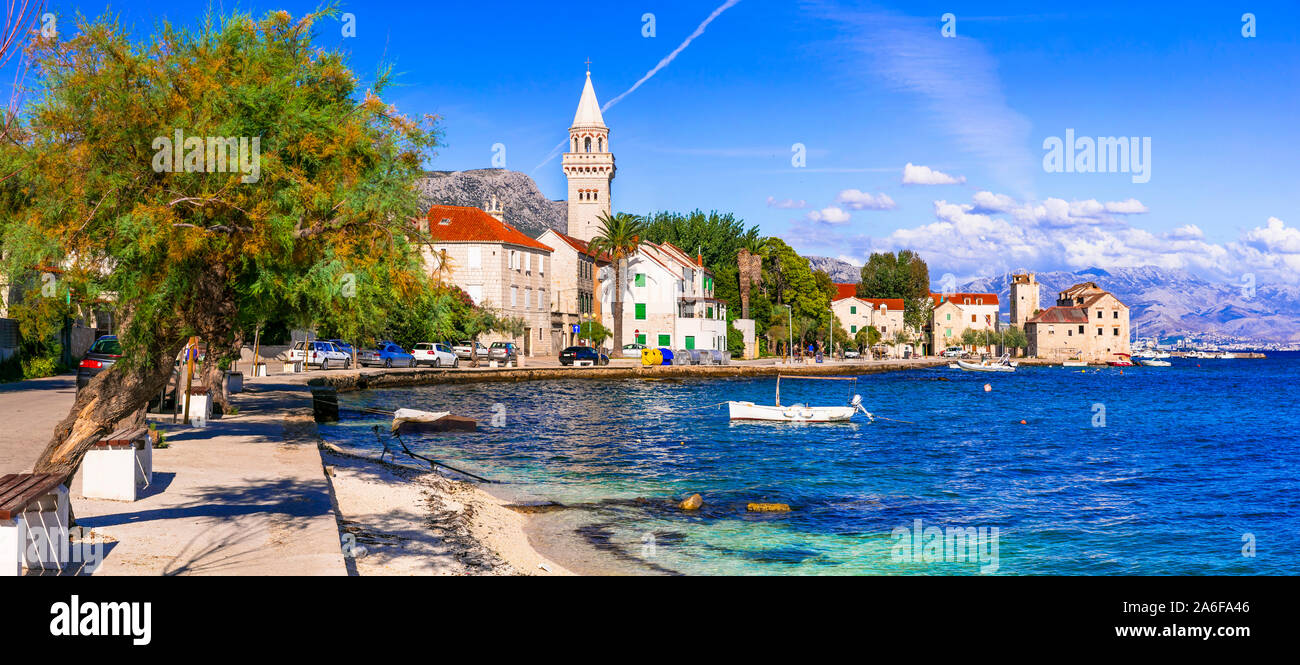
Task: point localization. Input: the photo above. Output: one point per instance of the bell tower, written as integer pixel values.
(1025, 298)
(589, 166)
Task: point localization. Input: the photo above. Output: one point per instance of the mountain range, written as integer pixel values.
(525, 207)
(1163, 302)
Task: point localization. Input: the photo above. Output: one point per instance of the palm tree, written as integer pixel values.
(620, 237)
(749, 263)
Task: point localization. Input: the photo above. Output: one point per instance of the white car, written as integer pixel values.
(434, 355)
(323, 354)
(850, 354)
(633, 350)
(462, 350)
(952, 352)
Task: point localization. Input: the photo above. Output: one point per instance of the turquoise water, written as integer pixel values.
(1161, 471)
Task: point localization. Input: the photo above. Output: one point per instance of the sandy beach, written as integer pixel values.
(400, 520)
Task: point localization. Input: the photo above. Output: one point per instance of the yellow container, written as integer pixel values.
(651, 357)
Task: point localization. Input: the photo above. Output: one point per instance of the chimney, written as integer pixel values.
(493, 208)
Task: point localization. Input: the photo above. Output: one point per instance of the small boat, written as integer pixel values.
(798, 413)
(1125, 360)
(1074, 363)
(1002, 365)
(1226, 355)
(1153, 362)
(412, 420)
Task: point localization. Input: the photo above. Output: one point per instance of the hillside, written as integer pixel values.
(524, 205)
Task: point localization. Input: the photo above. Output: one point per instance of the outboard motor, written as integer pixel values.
(856, 403)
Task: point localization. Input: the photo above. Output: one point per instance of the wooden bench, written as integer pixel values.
(33, 522)
(118, 465)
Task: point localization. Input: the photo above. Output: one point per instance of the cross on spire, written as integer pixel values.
(588, 65)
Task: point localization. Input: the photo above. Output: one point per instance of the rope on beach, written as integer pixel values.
(433, 463)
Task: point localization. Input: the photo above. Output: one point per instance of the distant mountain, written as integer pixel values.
(524, 205)
(841, 272)
(1168, 302)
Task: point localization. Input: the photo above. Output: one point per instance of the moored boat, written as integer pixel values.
(1125, 360)
(1152, 362)
(1002, 365)
(798, 413)
(1074, 363)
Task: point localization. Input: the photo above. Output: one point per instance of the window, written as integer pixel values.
(1099, 331)
(514, 296)
(640, 339)
(475, 257)
(640, 279)
(1099, 314)
(690, 342)
(947, 332)
(1116, 331)
(540, 260)
(541, 299)
(1080, 330)
(475, 293)
(528, 262)
(949, 315)
(1116, 313)
(853, 329)
(665, 340)
(708, 313)
(587, 144)
(972, 318)
(528, 298)
(640, 311)
(853, 309)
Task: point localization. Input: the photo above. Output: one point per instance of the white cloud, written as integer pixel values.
(995, 233)
(924, 175)
(785, 204)
(854, 199)
(829, 215)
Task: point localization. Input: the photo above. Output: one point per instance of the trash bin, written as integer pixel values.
(651, 357)
(667, 355)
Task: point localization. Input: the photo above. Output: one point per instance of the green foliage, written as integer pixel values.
(595, 333)
(35, 368)
(426, 317)
(735, 341)
(198, 251)
(1015, 338)
(903, 275)
(794, 283)
(717, 237)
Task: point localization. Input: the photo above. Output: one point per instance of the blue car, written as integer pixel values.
(386, 354)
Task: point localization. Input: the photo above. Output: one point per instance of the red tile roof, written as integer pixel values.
(1058, 314)
(890, 303)
(960, 298)
(843, 291)
(582, 246)
(466, 224)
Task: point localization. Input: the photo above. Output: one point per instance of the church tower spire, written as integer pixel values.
(589, 166)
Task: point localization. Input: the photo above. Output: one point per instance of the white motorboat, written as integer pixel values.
(1152, 362)
(1075, 363)
(1002, 365)
(798, 413)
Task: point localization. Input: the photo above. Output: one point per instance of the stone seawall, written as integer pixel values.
(366, 379)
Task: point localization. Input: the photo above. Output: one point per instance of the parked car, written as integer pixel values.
(386, 354)
(633, 350)
(434, 355)
(342, 346)
(851, 354)
(320, 353)
(503, 351)
(462, 350)
(952, 352)
(100, 356)
(576, 353)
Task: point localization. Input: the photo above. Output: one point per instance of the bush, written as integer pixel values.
(35, 368)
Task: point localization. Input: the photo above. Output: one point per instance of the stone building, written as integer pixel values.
(497, 265)
(574, 283)
(1026, 301)
(588, 166)
(953, 313)
(854, 314)
(1087, 322)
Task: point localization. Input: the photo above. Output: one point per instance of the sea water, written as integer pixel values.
(1192, 469)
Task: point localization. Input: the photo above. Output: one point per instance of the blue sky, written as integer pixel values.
(868, 88)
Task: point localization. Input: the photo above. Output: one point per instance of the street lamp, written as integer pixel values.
(789, 327)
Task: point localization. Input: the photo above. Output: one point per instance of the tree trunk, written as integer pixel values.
(618, 306)
(115, 396)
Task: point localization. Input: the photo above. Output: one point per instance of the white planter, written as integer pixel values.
(234, 382)
(293, 367)
(259, 370)
(200, 410)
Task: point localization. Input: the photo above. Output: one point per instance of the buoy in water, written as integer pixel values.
(1023, 423)
(988, 388)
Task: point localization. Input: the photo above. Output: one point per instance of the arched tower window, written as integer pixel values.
(600, 144)
(587, 144)
(575, 144)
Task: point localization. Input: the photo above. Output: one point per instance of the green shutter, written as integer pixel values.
(853, 309)
(640, 311)
(640, 339)
(640, 279)
(665, 340)
(709, 312)
(853, 329)
(690, 342)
